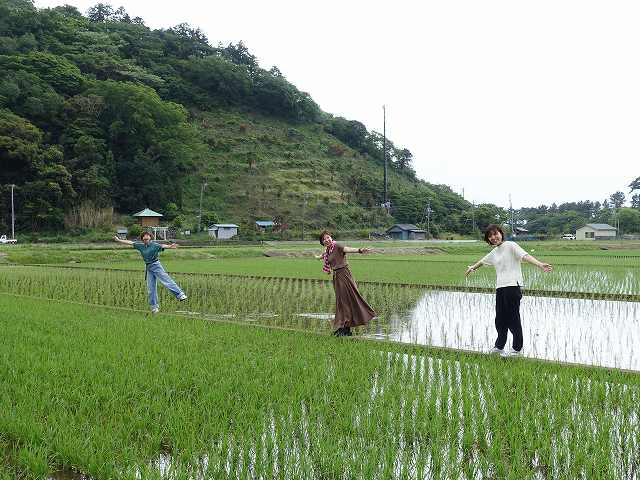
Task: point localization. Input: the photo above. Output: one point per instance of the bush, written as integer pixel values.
(135, 230)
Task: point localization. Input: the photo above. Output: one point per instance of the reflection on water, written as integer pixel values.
(592, 332)
(287, 444)
(319, 316)
(68, 475)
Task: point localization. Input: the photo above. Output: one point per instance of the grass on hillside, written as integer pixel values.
(259, 165)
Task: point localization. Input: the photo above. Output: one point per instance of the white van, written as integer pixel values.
(4, 239)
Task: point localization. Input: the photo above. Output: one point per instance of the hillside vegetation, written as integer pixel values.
(99, 113)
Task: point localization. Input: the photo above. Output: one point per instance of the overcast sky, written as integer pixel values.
(540, 100)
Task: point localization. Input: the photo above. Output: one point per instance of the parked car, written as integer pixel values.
(4, 239)
(568, 236)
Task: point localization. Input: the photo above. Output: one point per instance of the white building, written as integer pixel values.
(223, 231)
(596, 231)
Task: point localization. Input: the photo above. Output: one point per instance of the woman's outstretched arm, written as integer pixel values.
(119, 240)
(473, 268)
(534, 261)
(168, 245)
(357, 250)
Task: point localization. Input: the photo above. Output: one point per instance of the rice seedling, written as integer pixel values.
(572, 330)
(267, 301)
(116, 396)
(607, 276)
(107, 393)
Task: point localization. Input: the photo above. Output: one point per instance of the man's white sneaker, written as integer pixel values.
(155, 310)
(496, 350)
(512, 353)
(182, 297)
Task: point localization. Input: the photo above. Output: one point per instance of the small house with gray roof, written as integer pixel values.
(406, 231)
(596, 231)
(223, 231)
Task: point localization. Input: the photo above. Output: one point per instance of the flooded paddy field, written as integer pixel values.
(114, 394)
(574, 330)
(591, 332)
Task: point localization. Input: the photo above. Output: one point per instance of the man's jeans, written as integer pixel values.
(155, 271)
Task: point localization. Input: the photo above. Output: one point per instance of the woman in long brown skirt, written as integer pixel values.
(351, 309)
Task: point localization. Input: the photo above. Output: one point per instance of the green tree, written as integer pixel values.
(617, 199)
(629, 219)
(351, 132)
(151, 141)
(184, 41)
(62, 75)
(488, 213)
(100, 12)
(240, 55)
(217, 82)
(44, 184)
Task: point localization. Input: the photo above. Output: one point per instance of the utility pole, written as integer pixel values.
(473, 217)
(384, 154)
(511, 216)
(204, 185)
(13, 217)
(304, 212)
(428, 211)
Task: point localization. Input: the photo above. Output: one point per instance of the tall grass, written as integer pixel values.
(88, 215)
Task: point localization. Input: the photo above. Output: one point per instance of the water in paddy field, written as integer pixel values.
(68, 475)
(590, 332)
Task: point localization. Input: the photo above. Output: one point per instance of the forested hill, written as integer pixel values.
(98, 110)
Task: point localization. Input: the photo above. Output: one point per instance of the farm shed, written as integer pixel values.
(223, 231)
(406, 231)
(596, 231)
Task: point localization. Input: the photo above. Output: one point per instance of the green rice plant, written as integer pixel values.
(590, 276)
(114, 395)
(267, 301)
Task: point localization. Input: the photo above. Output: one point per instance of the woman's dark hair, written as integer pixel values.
(491, 229)
(322, 234)
(145, 233)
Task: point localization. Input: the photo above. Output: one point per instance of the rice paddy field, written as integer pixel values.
(243, 380)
